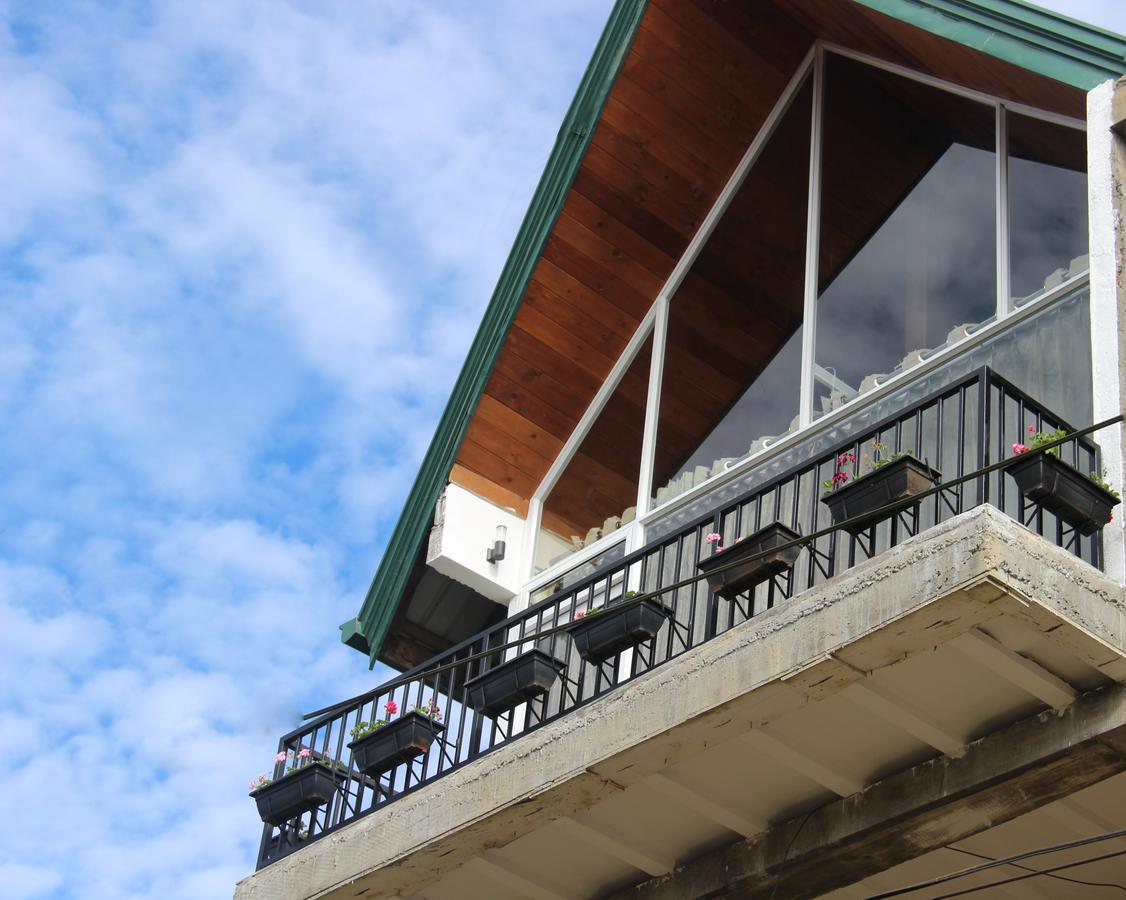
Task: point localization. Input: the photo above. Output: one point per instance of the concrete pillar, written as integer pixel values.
(1106, 184)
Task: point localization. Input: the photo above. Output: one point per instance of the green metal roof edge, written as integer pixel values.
(369, 629)
(1026, 35)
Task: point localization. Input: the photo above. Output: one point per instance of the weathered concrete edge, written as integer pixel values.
(407, 839)
(999, 777)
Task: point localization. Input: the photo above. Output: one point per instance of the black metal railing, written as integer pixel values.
(958, 430)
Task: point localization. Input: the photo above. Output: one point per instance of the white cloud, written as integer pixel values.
(243, 248)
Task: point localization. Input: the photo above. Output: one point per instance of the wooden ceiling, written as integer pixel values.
(695, 88)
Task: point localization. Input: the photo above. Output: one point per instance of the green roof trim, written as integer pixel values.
(1028, 36)
(369, 629)
(1020, 33)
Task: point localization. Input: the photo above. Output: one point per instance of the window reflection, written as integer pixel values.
(732, 370)
(1047, 205)
(907, 233)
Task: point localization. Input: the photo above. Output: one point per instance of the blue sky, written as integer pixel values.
(243, 248)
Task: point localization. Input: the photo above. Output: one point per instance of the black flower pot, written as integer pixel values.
(299, 792)
(898, 480)
(521, 678)
(1063, 491)
(604, 634)
(758, 557)
(407, 738)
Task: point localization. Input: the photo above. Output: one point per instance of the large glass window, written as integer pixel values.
(1047, 205)
(597, 492)
(908, 223)
(732, 368)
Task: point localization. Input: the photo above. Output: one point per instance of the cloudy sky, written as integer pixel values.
(243, 247)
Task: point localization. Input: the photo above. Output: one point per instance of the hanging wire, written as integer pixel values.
(1004, 861)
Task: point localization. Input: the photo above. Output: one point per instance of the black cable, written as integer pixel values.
(887, 509)
(789, 846)
(1033, 874)
(1007, 860)
(1106, 884)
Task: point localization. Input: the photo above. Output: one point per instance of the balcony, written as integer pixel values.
(959, 430)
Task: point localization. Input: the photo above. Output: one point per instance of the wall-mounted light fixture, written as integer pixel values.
(496, 552)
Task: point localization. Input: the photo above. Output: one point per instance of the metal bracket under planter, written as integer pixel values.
(899, 479)
(513, 682)
(299, 792)
(407, 738)
(1064, 491)
(730, 582)
(285, 843)
(604, 634)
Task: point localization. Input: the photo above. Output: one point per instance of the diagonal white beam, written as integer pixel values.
(1014, 668)
(597, 835)
(707, 806)
(839, 783)
(524, 883)
(890, 706)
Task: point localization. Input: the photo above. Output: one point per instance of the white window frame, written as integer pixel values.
(655, 322)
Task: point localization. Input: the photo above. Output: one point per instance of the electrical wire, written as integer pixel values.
(1004, 861)
(789, 846)
(1106, 884)
(1032, 874)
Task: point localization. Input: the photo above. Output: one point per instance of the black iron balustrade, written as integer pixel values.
(957, 430)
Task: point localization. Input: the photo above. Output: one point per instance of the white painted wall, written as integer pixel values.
(464, 529)
(1106, 172)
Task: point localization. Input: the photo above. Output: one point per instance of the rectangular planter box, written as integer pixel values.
(1063, 491)
(291, 795)
(511, 683)
(734, 581)
(902, 478)
(407, 738)
(607, 633)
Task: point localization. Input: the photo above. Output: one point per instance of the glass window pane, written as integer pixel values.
(1047, 205)
(908, 223)
(597, 492)
(732, 368)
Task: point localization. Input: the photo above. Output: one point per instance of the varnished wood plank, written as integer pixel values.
(558, 284)
(580, 322)
(602, 281)
(498, 441)
(618, 234)
(487, 464)
(546, 389)
(669, 238)
(720, 155)
(612, 258)
(529, 433)
(705, 115)
(525, 403)
(566, 342)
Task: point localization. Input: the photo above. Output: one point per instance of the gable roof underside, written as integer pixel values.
(673, 95)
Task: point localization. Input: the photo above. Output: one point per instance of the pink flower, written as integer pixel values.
(391, 707)
(1032, 429)
(304, 753)
(714, 537)
(581, 614)
(281, 757)
(846, 458)
(840, 477)
(1019, 448)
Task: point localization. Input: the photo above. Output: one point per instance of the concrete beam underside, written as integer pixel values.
(998, 778)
